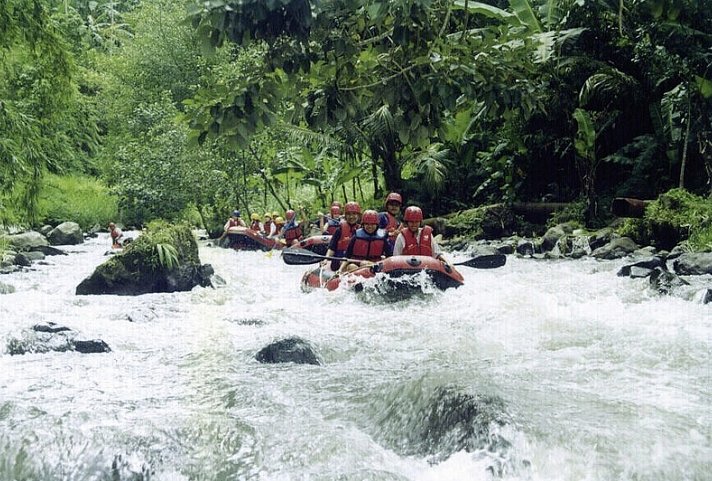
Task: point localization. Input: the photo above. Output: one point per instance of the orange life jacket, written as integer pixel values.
(367, 246)
(418, 247)
(347, 231)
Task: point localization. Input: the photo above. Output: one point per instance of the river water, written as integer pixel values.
(591, 376)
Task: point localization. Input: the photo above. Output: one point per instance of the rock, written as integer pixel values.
(525, 247)
(552, 236)
(46, 229)
(66, 233)
(49, 251)
(21, 259)
(642, 268)
(27, 240)
(34, 256)
(138, 269)
(600, 238)
(664, 281)
(50, 327)
(693, 264)
(6, 288)
(91, 347)
(617, 248)
(292, 349)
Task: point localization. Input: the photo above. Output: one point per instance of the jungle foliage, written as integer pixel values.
(207, 105)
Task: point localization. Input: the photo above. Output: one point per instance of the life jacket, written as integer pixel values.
(267, 227)
(255, 226)
(292, 232)
(418, 247)
(393, 225)
(233, 222)
(331, 225)
(347, 231)
(115, 233)
(369, 247)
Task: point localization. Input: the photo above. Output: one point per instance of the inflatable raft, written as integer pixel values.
(317, 244)
(442, 276)
(244, 239)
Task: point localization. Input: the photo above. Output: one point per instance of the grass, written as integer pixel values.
(79, 199)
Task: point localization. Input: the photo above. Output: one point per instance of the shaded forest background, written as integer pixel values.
(149, 109)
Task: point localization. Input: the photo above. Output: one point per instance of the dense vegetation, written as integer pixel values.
(184, 111)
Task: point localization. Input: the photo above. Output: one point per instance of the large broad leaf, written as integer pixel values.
(525, 13)
(585, 142)
(704, 86)
(485, 9)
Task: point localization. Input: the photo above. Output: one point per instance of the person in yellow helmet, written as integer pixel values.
(268, 227)
(255, 224)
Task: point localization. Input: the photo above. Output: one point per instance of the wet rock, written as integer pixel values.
(137, 270)
(27, 240)
(52, 337)
(6, 288)
(141, 316)
(292, 349)
(525, 247)
(693, 263)
(93, 346)
(34, 256)
(665, 282)
(601, 238)
(51, 327)
(642, 268)
(617, 248)
(21, 259)
(49, 251)
(45, 229)
(66, 233)
(552, 236)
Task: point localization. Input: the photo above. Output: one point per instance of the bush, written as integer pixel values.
(675, 216)
(79, 199)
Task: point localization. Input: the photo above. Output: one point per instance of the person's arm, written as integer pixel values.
(399, 245)
(387, 249)
(437, 250)
(348, 254)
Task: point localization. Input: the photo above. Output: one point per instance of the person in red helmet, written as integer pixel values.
(342, 236)
(292, 230)
(329, 223)
(390, 219)
(414, 240)
(369, 244)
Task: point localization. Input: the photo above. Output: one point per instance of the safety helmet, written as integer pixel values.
(289, 214)
(336, 203)
(413, 214)
(394, 197)
(369, 217)
(268, 215)
(255, 216)
(275, 214)
(352, 208)
(112, 225)
(335, 210)
(279, 220)
(236, 213)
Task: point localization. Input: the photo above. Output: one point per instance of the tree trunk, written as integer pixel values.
(686, 140)
(391, 172)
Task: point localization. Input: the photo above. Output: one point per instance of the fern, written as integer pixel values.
(167, 256)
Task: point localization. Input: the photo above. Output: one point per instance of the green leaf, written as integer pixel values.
(525, 13)
(585, 142)
(485, 9)
(704, 86)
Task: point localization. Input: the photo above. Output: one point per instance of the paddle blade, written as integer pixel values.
(295, 256)
(485, 261)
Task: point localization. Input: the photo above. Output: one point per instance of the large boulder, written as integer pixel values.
(164, 259)
(66, 233)
(693, 264)
(617, 248)
(27, 241)
(292, 349)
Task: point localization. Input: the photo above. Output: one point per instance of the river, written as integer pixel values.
(595, 376)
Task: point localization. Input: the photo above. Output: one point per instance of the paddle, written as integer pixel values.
(489, 261)
(297, 256)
